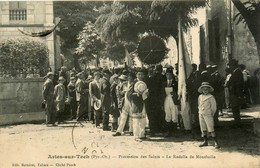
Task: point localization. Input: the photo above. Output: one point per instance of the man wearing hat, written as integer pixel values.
(193, 83)
(114, 103)
(63, 73)
(105, 99)
(95, 97)
(60, 96)
(218, 84)
(81, 96)
(126, 106)
(89, 109)
(72, 95)
(47, 93)
(120, 91)
(236, 84)
(155, 101)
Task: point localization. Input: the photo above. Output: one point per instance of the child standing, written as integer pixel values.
(60, 96)
(207, 108)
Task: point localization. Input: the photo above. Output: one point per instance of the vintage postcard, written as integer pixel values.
(129, 84)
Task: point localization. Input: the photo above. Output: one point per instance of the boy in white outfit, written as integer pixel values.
(207, 108)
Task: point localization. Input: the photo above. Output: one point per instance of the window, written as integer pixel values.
(17, 11)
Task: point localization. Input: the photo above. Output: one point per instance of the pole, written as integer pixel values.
(181, 47)
(229, 36)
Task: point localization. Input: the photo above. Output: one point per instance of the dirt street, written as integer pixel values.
(81, 145)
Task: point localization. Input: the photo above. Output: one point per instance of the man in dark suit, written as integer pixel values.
(155, 101)
(236, 84)
(47, 93)
(81, 96)
(105, 99)
(95, 95)
(193, 83)
(218, 85)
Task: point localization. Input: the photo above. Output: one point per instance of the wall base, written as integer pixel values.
(6, 119)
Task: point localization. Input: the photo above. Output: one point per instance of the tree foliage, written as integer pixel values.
(89, 45)
(165, 15)
(118, 22)
(249, 14)
(122, 23)
(74, 16)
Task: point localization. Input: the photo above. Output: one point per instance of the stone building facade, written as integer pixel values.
(28, 16)
(214, 38)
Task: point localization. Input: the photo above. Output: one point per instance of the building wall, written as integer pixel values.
(243, 45)
(39, 18)
(20, 100)
(216, 33)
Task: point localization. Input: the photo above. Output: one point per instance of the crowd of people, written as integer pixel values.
(131, 96)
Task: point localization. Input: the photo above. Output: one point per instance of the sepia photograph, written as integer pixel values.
(130, 84)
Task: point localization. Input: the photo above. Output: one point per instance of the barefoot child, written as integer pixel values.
(207, 109)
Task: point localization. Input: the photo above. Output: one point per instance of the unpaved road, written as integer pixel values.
(71, 145)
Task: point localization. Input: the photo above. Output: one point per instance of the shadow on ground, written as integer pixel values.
(231, 139)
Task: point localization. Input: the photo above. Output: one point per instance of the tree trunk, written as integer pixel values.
(257, 40)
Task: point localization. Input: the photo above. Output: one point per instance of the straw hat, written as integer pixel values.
(140, 87)
(80, 75)
(123, 77)
(97, 104)
(61, 78)
(205, 84)
(97, 73)
(50, 74)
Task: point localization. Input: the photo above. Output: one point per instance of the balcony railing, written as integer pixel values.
(18, 14)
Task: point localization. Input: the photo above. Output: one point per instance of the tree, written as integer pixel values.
(123, 22)
(116, 21)
(164, 16)
(89, 45)
(74, 16)
(250, 14)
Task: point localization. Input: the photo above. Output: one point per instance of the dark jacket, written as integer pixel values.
(236, 83)
(48, 90)
(105, 91)
(94, 90)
